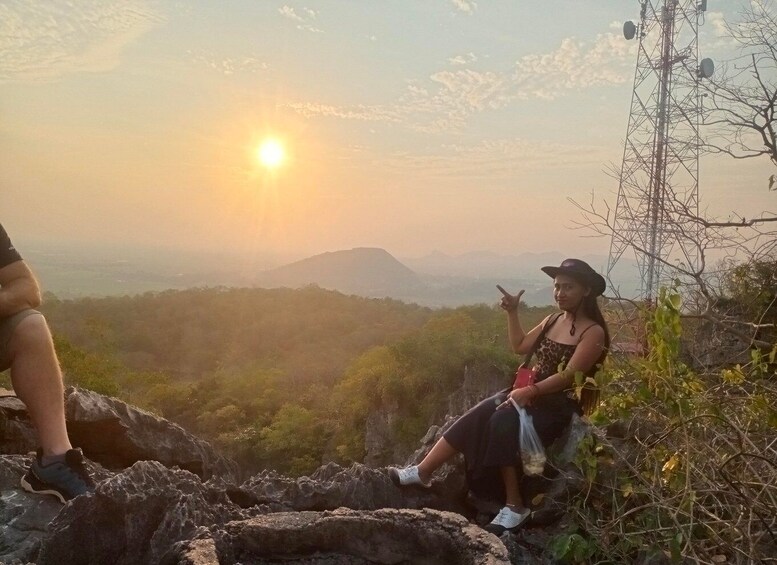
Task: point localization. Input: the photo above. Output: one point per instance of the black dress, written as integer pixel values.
(488, 437)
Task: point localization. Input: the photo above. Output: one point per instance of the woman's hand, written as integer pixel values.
(521, 396)
(510, 302)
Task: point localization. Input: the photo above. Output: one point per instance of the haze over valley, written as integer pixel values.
(433, 280)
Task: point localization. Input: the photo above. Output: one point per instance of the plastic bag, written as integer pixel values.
(532, 452)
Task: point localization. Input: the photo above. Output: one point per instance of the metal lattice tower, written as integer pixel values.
(659, 176)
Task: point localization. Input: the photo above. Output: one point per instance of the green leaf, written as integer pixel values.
(560, 546)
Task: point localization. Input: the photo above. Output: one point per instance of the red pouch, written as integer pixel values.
(524, 377)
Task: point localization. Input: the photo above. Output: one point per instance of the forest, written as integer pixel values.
(278, 378)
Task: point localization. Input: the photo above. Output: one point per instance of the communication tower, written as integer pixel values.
(659, 176)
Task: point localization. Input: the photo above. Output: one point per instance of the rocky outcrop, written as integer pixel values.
(117, 435)
(480, 381)
(357, 487)
(151, 514)
(24, 517)
(352, 536)
(153, 510)
(381, 446)
(17, 435)
(135, 517)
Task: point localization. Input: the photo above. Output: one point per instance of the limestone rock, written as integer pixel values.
(24, 517)
(357, 487)
(135, 517)
(381, 445)
(17, 436)
(117, 435)
(152, 513)
(352, 536)
(480, 381)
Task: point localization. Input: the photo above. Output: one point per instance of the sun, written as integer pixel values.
(271, 153)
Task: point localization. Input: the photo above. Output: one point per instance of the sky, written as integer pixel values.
(414, 126)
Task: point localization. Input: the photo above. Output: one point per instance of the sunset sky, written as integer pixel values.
(450, 125)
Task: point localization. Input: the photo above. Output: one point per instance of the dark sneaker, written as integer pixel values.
(63, 479)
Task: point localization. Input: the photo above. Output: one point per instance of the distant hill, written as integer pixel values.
(366, 271)
(374, 272)
(433, 280)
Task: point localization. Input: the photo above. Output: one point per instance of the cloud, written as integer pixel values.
(359, 112)
(463, 59)
(575, 65)
(303, 19)
(468, 6)
(493, 159)
(46, 39)
(229, 65)
(288, 12)
(446, 100)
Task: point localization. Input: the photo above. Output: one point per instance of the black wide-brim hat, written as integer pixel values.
(581, 271)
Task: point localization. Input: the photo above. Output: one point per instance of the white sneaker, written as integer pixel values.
(407, 476)
(508, 519)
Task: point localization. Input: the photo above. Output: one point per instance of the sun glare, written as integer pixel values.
(271, 153)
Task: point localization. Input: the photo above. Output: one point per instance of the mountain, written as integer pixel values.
(364, 270)
(433, 280)
(376, 273)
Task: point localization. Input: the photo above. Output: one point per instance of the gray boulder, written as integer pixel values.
(24, 517)
(358, 487)
(135, 516)
(352, 536)
(17, 436)
(117, 435)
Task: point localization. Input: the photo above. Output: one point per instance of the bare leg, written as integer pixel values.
(439, 454)
(512, 492)
(37, 381)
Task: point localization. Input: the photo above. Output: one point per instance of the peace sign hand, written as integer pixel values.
(509, 302)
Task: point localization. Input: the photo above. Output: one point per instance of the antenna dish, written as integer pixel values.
(706, 68)
(629, 30)
(703, 6)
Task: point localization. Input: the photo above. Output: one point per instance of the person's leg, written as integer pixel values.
(421, 474)
(437, 456)
(504, 428)
(37, 381)
(512, 490)
(57, 469)
(465, 434)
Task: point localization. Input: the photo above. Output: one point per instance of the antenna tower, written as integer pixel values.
(659, 176)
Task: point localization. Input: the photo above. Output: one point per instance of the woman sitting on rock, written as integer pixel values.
(574, 340)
